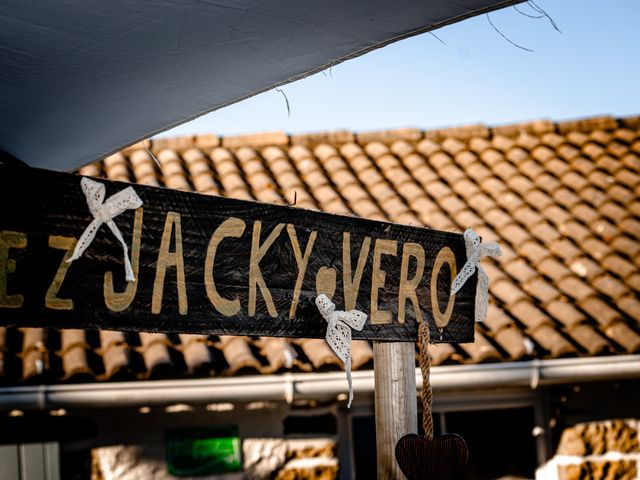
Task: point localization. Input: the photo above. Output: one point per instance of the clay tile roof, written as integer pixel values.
(562, 199)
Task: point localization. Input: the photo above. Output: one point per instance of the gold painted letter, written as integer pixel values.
(51, 299)
(255, 275)
(170, 259)
(352, 284)
(378, 276)
(9, 239)
(408, 285)
(444, 256)
(302, 261)
(231, 227)
(117, 302)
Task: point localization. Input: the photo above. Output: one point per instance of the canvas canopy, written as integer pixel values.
(82, 79)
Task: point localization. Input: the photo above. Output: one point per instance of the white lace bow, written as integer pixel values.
(475, 251)
(104, 212)
(338, 334)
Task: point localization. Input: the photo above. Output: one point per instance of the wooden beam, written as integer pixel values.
(212, 265)
(396, 405)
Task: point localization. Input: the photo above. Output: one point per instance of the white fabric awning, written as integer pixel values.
(82, 79)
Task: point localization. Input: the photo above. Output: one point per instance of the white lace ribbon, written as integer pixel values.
(475, 251)
(338, 334)
(104, 212)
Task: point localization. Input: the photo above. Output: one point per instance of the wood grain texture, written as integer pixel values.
(440, 458)
(396, 406)
(214, 265)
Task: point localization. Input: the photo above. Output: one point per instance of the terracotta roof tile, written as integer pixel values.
(520, 184)
(526, 140)
(626, 245)
(543, 154)
(583, 165)
(389, 136)
(552, 341)
(618, 265)
(631, 306)
(237, 353)
(588, 124)
(320, 354)
(566, 152)
(428, 147)
(91, 170)
(593, 150)
(594, 196)
(595, 248)
(532, 251)
(155, 352)
(517, 155)
(561, 218)
(497, 319)
(464, 132)
(443, 353)
(624, 336)
(577, 138)
(529, 315)
(478, 145)
(195, 350)
(144, 168)
(116, 167)
(562, 200)
(545, 232)
(335, 137)
(555, 270)
(585, 267)
(74, 353)
(279, 354)
(600, 311)
(513, 342)
(115, 354)
(575, 288)
(565, 249)
(541, 290)
(610, 286)
(631, 226)
(547, 182)
(256, 140)
(520, 270)
(565, 312)
(538, 127)
(481, 350)
(507, 292)
(206, 141)
(589, 339)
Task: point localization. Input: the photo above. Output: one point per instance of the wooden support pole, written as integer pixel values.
(395, 401)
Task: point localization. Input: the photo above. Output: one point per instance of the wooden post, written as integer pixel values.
(396, 405)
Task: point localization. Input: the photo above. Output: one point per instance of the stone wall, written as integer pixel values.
(263, 459)
(607, 450)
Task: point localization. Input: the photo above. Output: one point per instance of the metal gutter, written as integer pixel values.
(289, 387)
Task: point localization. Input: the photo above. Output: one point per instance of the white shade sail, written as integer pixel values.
(82, 79)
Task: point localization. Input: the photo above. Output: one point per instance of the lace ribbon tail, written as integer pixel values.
(347, 369)
(129, 276)
(461, 279)
(482, 295)
(85, 239)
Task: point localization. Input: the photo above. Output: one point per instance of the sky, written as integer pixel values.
(591, 68)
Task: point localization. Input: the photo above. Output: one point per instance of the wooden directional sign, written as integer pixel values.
(206, 264)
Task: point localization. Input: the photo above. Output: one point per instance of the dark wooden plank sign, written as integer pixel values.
(213, 265)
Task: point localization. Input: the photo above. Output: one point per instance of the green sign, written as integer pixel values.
(203, 450)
